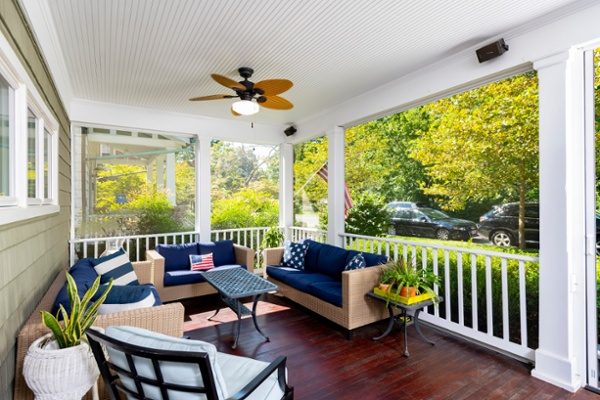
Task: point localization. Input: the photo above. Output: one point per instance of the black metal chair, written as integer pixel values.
(111, 372)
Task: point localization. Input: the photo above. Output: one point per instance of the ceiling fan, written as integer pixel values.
(266, 93)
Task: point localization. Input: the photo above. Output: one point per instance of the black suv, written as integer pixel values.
(428, 222)
(501, 225)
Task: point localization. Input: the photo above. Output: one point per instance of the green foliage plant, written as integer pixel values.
(82, 317)
(273, 238)
(399, 274)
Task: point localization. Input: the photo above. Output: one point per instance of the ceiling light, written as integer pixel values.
(245, 107)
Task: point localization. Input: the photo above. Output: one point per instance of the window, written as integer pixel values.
(28, 144)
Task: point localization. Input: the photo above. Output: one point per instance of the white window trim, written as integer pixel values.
(15, 207)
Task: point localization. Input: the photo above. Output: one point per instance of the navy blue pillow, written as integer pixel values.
(357, 262)
(312, 255)
(84, 275)
(123, 298)
(375, 259)
(177, 256)
(293, 254)
(222, 250)
(332, 260)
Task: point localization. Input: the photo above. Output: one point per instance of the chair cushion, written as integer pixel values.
(123, 298)
(357, 262)
(304, 279)
(330, 292)
(332, 261)
(312, 254)
(177, 256)
(116, 266)
(293, 254)
(173, 372)
(84, 275)
(280, 273)
(175, 278)
(201, 262)
(222, 250)
(239, 371)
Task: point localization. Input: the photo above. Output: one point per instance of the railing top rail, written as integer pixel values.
(300, 228)
(450, 248)
(129, 237)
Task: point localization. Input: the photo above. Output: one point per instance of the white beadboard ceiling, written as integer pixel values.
(157, 54)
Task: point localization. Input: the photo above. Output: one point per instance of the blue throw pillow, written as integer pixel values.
(293, 254)
(116, 266)
(84, 275)
(177, 256)
(222, 250)
(357, 262)
(123, 298)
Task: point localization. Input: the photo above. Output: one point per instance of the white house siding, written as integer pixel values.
(31, 252)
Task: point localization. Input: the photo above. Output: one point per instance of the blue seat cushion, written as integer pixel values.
(177, 256)
(174, 278)
(222, 251)
(332, 261)
(312, 255)
(304, 279)
(330, 292)
(123, 298)
(84, 275)
(279, 273)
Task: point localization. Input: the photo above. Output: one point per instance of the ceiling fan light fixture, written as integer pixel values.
(245, 107)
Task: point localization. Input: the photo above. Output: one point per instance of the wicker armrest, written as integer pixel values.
(144, 271)
(244, 256)
(273, 256)
(356, 283)
(158, 268)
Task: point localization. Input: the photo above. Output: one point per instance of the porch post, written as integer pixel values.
(560, 357)
(335, 186)
(286, 187)
(170, 179)
(203, 188)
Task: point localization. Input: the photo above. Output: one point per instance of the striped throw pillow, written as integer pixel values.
(116, 266)
(201, 262)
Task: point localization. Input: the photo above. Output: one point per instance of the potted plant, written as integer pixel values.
(406, 281)
(273, 238)
(60, 364)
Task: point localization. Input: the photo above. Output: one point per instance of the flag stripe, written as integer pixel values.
(323, 172)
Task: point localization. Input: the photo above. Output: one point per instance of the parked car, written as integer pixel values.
(428, 222)
(501, 224)
(405, 204)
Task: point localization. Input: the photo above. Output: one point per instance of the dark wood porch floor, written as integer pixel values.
(323, 364)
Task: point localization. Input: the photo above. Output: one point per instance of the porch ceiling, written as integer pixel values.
(158, 54)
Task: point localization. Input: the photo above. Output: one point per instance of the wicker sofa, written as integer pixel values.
(166, 319)
(353, 310)
(191, 283)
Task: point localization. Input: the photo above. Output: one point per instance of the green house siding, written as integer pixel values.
(31, 252)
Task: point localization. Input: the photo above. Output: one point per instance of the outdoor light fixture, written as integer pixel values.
(245, 107)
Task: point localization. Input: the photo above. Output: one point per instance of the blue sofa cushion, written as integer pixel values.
(116, 266)
(375, 259)
(280, 273)
(177, 256)
(330, 292)
(304, 279)
(84, 275)
(357, 262)
(312, 254)
(331, 261)
(222, 250)
(173, 278)
(293, 254)
(123, 298)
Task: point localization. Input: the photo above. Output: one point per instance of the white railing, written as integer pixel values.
(299, 234)
(490, 297)
(136, 245)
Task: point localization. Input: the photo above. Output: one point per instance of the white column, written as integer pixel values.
(170, 178)
(335, 187)
(560, 357)
(286, 187)
(203, 207)
(160, 172)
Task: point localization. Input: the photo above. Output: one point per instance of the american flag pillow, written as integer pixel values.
(201, 262)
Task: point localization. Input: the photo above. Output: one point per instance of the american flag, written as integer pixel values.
(324, 173)
(202, 262)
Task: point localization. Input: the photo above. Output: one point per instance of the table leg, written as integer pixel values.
(239, 323)
(254, 317)
(404, 319)
(218, 308)
(418, 328)
(390, 324)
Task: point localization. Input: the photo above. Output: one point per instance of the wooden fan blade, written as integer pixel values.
(212, 97)
(234, 113)
(273, 87)
(277, 103)
(230, 83)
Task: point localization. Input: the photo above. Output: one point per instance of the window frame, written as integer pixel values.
(24, 97)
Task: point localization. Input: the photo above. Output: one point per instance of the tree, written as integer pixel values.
(483, 144)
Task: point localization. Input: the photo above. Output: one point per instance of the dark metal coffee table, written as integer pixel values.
(233, 284)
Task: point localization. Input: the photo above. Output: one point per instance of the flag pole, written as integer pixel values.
(309, 179)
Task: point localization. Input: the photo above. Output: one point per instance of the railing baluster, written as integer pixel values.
(523, 303)
(461, 302)
(488, 296)
(505, 323)
(474, 298)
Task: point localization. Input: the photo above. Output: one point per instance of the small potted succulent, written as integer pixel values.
(401, 281)
(60, 363)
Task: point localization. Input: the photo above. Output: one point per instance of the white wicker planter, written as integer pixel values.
(59, 374)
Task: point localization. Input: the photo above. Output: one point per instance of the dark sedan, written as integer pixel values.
(428, 222)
